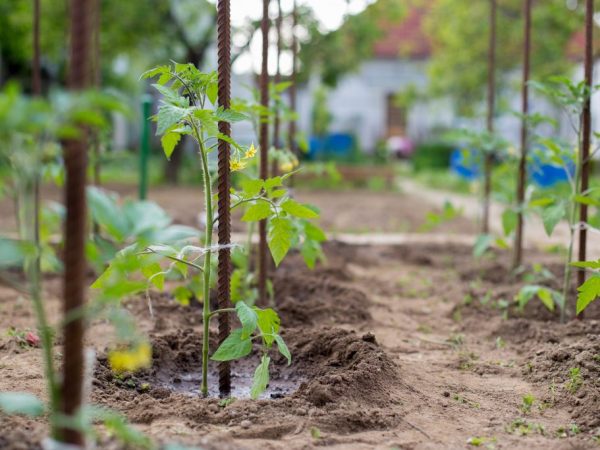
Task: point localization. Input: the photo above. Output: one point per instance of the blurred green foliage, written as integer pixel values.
(460, 31)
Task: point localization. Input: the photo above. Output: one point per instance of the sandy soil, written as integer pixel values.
(394, 347)
(357, 211)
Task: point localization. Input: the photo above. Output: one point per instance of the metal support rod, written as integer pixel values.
(75, 230)
(264, 152)
(522, 177)
(491, 86)
(277, 119)
(293, 77)
(96, 80)
(224, 186)
(145, 146)
(36, 73)
(586, 131)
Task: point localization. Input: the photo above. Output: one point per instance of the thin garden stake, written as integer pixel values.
(586, 131)
(292, 124)
(96, 80)
(264, 152)
(490, 117)
(36, 89)
(36, 75)
(35, 272)
(518, 248)
(75, 230)
(224, 186)
(277, 120)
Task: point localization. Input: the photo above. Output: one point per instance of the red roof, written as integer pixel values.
(405, 39)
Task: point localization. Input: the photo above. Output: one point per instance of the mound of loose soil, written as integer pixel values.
(555, 363)
(338, 374)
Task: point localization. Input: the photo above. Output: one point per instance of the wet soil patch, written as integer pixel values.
(336, 376)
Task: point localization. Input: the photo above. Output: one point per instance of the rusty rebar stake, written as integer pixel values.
(277, 119)
(224, 186)
(293, 78)
(75, 230)
(586, 133)
(491, 107)
(522, 177)
(264, 153)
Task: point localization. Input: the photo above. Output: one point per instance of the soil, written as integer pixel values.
(378, 211)
(414, 346)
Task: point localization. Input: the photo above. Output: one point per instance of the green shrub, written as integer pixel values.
(432, 155)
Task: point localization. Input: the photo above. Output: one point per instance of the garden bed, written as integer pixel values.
(386, 353)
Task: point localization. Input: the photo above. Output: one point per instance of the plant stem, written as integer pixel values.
(47, 340)
(572, 217)
(207, 269)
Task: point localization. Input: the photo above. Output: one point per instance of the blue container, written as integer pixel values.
(548, 175)
(466, 164)
(332, 146)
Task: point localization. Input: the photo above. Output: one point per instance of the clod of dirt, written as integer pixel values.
(341, 365)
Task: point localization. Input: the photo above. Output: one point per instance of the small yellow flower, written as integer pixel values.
(131, 359)
(250, 153)
(286, 167)
(236, 165)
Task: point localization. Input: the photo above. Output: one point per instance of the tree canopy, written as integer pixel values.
(459, 31)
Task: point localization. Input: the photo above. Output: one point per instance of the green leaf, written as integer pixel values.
(234, 347)
(153, 272)
(169, 141)
(271, 183)
(171, 95)
(509, 221)
(268, 323)
(117, 425)
(280, 238)
(261, 378)
(552, 215)
(283, 348)
(227, 115)
(482, 244)
(182, 295)
(258, 211)
(584, 200)
(106, 212)
(544, 201)
(22, 403)
(248, 318)
(587, 293)
(546, 297)
(314, 232)
(169, 116)
(251, 187)
(296, 209)
(587, 264)
(212, 92)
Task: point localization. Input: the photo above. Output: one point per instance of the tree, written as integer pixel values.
(336, 53)
(459, 30)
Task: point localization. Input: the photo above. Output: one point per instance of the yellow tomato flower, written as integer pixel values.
(236, 165)
(286, 167)
(132, 359)
(250, 153)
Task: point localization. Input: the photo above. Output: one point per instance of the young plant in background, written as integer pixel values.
(562, 204)
(478, 149)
